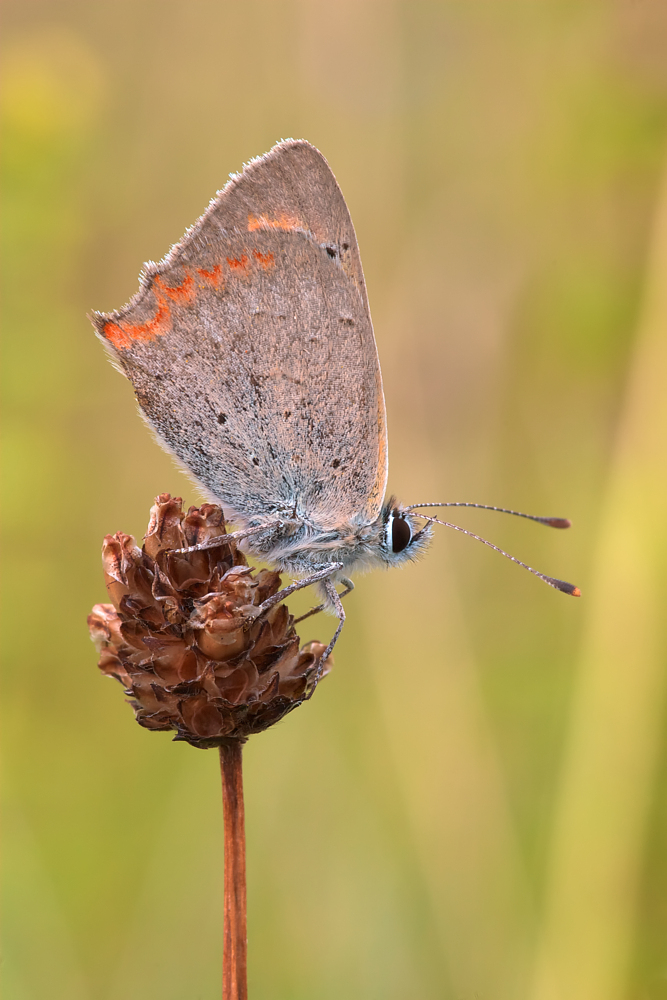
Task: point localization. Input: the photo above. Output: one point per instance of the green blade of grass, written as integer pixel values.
(612, 745)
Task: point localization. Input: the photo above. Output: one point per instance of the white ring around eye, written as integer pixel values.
(388, 530)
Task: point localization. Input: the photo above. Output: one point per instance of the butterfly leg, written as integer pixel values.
(349, 587)
(320, 574)
(236, 536)
(334, 597)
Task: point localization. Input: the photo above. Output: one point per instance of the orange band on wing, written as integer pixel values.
(121, 334)
(283, 221)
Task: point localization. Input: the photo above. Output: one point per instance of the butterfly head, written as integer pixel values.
(402, 539)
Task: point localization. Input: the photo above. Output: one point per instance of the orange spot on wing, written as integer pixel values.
(239, 264)
(183, 293)
(213, 276)
(264, 259)
(281, 222)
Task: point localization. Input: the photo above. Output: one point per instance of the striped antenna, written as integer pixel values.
(551, 522)
(566, 588)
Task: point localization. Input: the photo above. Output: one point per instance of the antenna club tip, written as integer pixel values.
(563, 586)
(558, 522)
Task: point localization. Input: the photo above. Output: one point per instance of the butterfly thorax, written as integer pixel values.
(298, 547)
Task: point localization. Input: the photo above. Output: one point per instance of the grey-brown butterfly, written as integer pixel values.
(251, 351)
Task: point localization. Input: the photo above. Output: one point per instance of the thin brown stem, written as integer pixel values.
(235, 940)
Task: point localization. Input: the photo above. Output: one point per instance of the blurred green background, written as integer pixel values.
(474, 805)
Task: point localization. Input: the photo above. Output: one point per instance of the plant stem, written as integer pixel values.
(235, 940)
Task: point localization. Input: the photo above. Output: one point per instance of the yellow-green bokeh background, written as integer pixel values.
(474, 805)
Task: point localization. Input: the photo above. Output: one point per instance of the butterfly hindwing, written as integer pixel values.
(251, 349)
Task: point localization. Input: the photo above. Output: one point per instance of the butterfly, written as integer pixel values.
(251, 352)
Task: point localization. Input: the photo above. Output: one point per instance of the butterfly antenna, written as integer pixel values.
(566, 588)
(551, 522)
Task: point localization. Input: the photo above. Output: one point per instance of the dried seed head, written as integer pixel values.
(185, 636)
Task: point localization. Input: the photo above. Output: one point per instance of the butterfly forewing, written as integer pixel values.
(251, 350)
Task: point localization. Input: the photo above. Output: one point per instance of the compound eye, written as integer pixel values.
(401, 533)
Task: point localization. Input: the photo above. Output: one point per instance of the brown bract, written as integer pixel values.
(185, 636)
